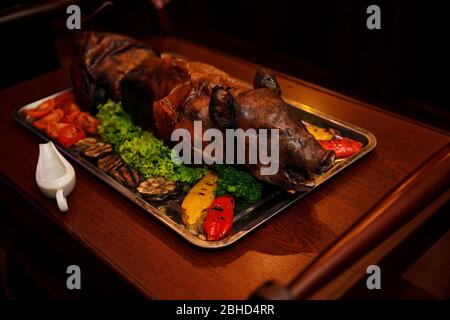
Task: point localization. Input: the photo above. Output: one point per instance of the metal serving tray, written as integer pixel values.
(247, 218)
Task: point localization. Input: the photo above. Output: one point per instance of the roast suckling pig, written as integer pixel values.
(163, 93)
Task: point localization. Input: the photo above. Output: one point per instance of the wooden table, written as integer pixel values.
(160, 264)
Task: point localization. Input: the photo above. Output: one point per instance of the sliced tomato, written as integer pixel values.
(70, 134)
(87, 122)
(70, 117)
(64, 99)
(41, 110)
(70, 108)
(54, 128)
(53, 116)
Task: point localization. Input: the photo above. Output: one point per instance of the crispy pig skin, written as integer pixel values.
(100, 62)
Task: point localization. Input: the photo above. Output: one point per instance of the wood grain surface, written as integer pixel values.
(162, 265)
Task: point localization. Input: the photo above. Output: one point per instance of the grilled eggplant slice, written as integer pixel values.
(128, 177)
(85, 143)
(158, 188)
(118, 177)
(110, 162)
(137, 178)
(98, 150)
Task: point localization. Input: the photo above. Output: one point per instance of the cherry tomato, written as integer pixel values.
(53, 116)
(43, 109)
(70, 134)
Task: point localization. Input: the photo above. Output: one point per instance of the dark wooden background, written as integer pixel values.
(403, 67)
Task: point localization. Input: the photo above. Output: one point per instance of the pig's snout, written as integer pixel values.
(327, 161)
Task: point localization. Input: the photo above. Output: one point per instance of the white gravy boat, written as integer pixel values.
(55, 176)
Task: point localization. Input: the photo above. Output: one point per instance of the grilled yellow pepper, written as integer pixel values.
(199, 198)
(321, 133)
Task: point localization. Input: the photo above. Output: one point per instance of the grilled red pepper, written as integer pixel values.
(343, 147)
(219, 218)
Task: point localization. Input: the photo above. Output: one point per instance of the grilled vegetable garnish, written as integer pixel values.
(158, 188)
(128, 177)
(118, 177)
(219, 220)
(70, 134)
(141, 149)
(40, 111)
(85, 143)
(343, 147)
(55, 115)
(98, 150)
(321, 133)
(87, 122)
(237, 183)
(198, 200)
(54, 128)
(109, 163)
(61, 118)
(137, 177)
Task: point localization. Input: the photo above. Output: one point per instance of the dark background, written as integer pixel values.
(403, 67)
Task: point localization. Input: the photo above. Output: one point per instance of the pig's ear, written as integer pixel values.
(265, 78)
(222, 108)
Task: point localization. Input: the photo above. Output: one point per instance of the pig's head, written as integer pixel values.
(300, 155)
